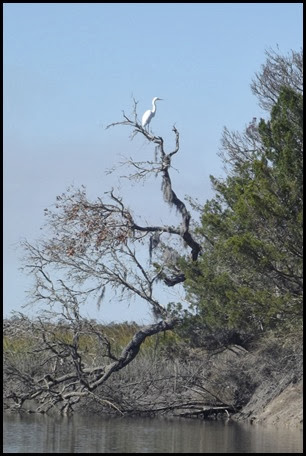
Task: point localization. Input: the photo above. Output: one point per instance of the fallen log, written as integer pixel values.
(207, 412)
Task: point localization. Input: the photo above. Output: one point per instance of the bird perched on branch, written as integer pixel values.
(149, 114)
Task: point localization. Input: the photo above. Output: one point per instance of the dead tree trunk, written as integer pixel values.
(93, 246)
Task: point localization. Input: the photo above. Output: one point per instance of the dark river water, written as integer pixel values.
(42, 434)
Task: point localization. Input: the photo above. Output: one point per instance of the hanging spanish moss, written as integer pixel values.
(154, 241)
(167, 191)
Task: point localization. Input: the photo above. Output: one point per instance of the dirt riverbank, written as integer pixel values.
(286, 409)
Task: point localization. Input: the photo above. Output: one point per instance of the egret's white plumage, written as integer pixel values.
(149, 114)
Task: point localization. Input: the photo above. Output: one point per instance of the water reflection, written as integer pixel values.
(42, 434)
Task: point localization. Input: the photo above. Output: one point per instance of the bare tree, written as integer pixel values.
(91, 247)
(277, 72)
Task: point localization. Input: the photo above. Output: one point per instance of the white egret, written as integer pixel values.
(149, 114)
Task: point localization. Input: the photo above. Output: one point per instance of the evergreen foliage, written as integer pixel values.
(249, 275)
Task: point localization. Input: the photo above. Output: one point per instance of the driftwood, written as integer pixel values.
(208, 412)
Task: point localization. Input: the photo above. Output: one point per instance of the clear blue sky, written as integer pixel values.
(70, 69)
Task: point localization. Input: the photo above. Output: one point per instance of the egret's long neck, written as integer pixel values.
(153, 106)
